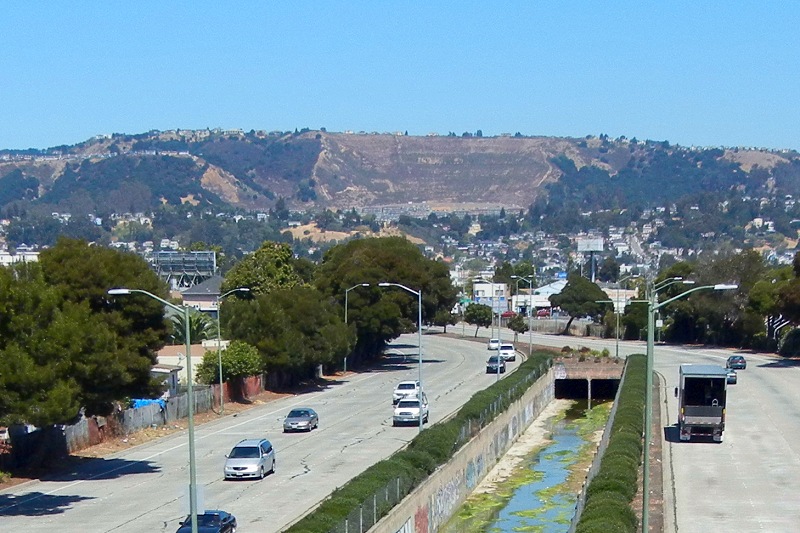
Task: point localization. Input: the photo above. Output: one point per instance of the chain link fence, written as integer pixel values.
(473, 426)
(366, 515)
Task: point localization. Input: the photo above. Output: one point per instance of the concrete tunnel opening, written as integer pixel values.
(583, 389)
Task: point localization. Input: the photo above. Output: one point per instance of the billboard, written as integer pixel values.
(590, 245)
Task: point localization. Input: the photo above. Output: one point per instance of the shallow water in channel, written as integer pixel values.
(541, 494)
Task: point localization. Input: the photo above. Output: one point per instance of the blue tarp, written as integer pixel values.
(141, 403)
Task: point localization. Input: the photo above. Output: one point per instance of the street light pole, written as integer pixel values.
(652, 307)
(616, 310)
(419, 338)
(219, 347)
(189, 393)
(529, 279)
(344, 363)
(345, 297)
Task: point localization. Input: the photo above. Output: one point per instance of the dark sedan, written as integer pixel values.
(494, 364)
(210, 522)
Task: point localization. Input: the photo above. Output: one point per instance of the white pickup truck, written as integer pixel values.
(405, 389)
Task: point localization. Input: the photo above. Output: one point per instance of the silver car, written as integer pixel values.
(301, 419)
(251, 458)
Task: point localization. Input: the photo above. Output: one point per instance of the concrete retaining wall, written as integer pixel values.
(433, 503)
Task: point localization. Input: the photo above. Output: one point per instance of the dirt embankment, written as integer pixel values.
(122, 443)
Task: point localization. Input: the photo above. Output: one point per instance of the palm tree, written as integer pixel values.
(201, 327)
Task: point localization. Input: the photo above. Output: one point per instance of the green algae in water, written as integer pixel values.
(537, 497)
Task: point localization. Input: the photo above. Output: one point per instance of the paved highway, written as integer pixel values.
(748, 483)
(751, 480)
(144, 488)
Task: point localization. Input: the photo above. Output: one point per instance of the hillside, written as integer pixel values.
(315, 170)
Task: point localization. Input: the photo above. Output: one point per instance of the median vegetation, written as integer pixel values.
(609, 494)
(368, 497)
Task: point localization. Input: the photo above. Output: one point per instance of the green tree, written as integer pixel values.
(381, 314)
(634, 321)
(717, 317)
(35, 383)
(294, 330)
(579, 298)
(444, 318)
(478, 315)
(764, 297)
(281, 212)
(789, 301)
(122, 334)
(503, 273)
(269, 268)
(608, 269)
(518, 324)
(239, 360)
(525, 269)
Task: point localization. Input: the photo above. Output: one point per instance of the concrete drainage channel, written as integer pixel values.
(536, 485)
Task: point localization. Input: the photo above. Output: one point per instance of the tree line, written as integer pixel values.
(67, 346)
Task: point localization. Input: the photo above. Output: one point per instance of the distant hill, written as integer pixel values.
(314, 170)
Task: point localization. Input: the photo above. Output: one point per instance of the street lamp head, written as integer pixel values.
(118, 292)
(688, 282)
(365, 284)
(725, 287)
(384, 284)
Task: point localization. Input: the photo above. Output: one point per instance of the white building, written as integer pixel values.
(540, 299)
(8, 259)
(495, 295)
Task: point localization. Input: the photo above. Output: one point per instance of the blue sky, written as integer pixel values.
(692, 73)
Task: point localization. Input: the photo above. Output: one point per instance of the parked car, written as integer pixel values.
(301, 419)
(407, 410)
(494, 362)
(405, 389)
(731, 379)
(736, 362)
(494, 344)
(250, 458)
(210, 522)
(543, 313)
(508, 352)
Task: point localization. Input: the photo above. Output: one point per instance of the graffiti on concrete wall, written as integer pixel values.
(502, 439)
(408, 527)
(446, 500)
(513, 427)
(422, 520)
(475, 470)
(529, 413)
